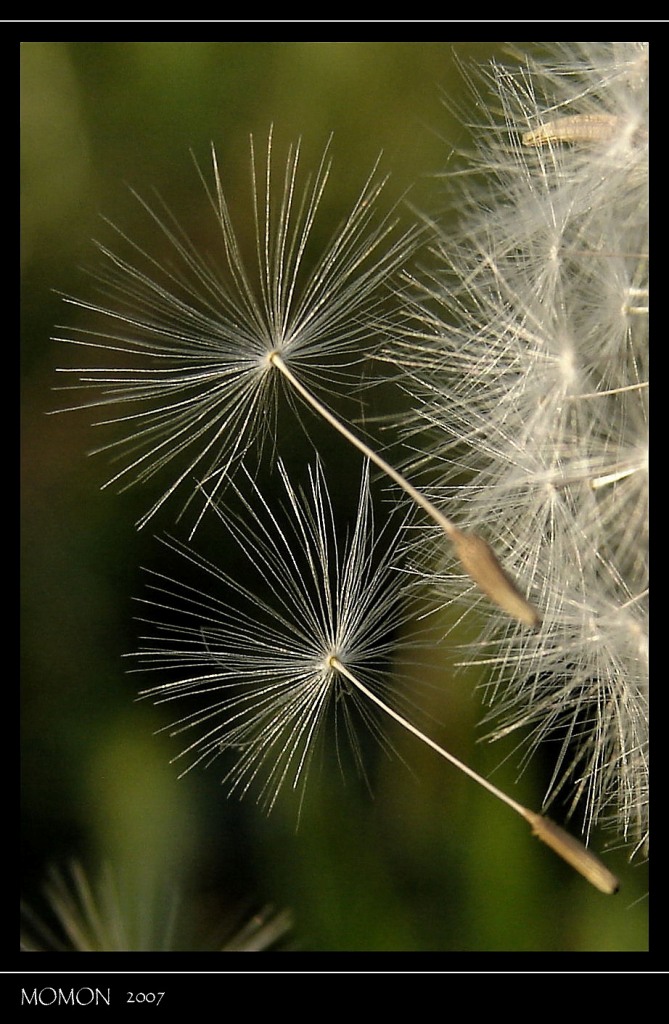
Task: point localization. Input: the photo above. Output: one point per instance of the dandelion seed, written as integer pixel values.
(480, 562)
(228, 338)
(578, 128)
(266, 662)
(271, 678)
(199, 391)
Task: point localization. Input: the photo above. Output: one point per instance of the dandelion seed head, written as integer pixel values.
(528, 361)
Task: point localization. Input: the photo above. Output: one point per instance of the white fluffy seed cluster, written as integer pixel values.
(528, 361)
(525, 347)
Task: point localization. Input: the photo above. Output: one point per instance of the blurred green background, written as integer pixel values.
(430, 863)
